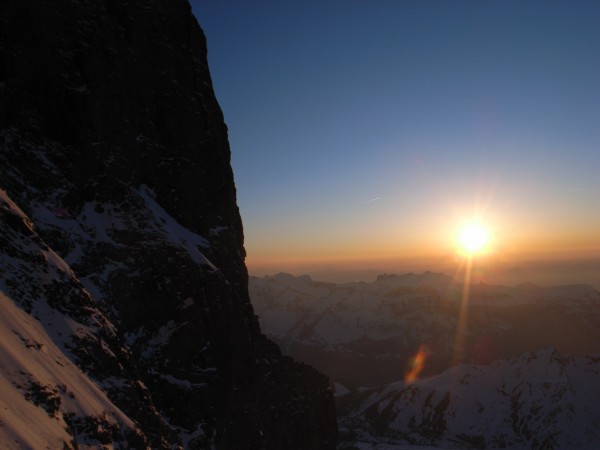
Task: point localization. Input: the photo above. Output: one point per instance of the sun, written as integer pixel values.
(473, 238)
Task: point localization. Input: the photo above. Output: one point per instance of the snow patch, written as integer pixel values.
(30, 358)
(187, 303)
(340, 389)
(176, 233)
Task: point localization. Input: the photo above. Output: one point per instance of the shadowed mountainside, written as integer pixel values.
(116, 170)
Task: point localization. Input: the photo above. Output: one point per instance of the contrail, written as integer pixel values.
(374, 199)
(588, 188)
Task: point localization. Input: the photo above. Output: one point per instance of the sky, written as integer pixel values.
(365, 133)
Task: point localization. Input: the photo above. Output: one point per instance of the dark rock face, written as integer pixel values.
(113, 144)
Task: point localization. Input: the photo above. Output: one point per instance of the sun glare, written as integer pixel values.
(473, 238)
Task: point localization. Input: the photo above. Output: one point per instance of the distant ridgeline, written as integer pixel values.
(366, 334)
(423, 359)
(125, 312)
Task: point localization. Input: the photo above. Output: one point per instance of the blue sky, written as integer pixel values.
(363, 128)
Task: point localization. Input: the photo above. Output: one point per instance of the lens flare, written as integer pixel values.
(417, 364)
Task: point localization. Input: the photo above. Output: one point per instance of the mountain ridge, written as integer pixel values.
(364, 334)
(420, 361)
(537, 400)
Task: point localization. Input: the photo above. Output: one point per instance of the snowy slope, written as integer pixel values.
(47, 401)
(49, 329)
(538, 400)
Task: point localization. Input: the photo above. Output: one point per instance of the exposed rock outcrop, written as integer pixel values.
(114, 148)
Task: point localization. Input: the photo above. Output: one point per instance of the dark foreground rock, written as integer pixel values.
(114, 148)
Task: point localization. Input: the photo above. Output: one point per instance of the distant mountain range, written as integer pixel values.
(365, 334)
(498, 366)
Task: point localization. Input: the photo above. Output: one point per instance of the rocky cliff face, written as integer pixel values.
(114, 158)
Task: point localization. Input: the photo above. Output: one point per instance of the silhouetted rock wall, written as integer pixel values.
(112, 142)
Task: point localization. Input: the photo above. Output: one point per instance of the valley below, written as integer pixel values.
(425, 360)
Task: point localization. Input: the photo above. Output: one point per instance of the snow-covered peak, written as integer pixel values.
(537, 400)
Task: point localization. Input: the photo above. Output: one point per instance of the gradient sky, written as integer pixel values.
(366, 131)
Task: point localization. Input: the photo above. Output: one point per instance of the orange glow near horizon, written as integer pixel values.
(506, 248)
(452, 228)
